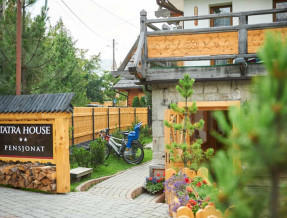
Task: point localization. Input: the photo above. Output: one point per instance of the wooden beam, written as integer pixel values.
(194, 31)
(139, 50)
(207, 73)
(123, 73)
(201, 58)
(153, 27)
(129, 55)
(139, 73)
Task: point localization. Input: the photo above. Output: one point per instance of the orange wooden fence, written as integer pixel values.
(88, 121)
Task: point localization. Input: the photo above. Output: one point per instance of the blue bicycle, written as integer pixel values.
(128, 147)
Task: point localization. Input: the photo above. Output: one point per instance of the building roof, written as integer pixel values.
(127, 84)
(60, 102)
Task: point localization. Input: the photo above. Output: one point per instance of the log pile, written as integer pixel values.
(28, 175)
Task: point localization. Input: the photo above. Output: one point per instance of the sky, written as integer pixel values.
(95, 23)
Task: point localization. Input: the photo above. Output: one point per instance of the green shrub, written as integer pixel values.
(80, 156)
(143, 102)
(97, 152)
(136, 102)
(93, 158)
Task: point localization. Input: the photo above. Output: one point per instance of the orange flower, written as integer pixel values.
(204, 182)
(189, 189)
(189, 206)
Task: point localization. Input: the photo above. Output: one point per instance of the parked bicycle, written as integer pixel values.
(127, 147)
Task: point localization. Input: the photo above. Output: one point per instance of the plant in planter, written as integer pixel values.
(193, 193)
(155, 184)
(190, 154)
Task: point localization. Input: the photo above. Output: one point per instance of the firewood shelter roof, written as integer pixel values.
(59, 102)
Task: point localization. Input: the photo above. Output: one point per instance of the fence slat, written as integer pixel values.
(89, 121)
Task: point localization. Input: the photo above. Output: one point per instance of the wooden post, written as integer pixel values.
(62, 154)
(108, 117)
(93, 114)
(119, 118)
(73, 133)
(135, 114)
(242, 35)
(143, 30)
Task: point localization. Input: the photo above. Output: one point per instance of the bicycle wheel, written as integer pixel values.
(107, 151)
(135, 154)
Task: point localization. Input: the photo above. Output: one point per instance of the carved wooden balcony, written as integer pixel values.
(159, 47)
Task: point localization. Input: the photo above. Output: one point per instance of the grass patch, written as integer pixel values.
(146, 140)
(114, 166)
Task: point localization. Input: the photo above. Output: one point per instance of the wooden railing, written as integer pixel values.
(212, 43)
(242, 40)
(88, 121)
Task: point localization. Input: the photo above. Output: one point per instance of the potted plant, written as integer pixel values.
(154, 185)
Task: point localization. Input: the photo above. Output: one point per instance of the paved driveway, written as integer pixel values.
(18, 203)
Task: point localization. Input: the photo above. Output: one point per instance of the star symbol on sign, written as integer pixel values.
(25, 139)
(20, 139)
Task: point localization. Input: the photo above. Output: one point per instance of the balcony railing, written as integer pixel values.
(213, 43)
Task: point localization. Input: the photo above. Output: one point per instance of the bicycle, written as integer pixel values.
(128, 147)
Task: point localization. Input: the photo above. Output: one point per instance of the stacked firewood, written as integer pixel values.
(28, 175)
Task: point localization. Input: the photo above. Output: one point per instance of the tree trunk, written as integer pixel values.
(274, 198)
(23, 76)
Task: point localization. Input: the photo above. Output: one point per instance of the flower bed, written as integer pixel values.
(189, 192)
(154, 184)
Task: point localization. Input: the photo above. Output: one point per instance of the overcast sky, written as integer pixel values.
(101, 22)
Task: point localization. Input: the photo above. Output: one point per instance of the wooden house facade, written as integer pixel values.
(218, 56)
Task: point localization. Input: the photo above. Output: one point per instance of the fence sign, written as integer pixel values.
(34, 141)
(26, 140)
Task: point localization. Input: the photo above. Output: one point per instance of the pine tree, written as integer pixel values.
(259, 131)
(191, 155)
(136, 102)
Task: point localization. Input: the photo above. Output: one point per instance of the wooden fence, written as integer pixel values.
(87, 121)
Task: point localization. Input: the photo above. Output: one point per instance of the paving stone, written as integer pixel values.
(110, 198)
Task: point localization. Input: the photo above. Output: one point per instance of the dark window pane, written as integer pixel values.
(281, 16)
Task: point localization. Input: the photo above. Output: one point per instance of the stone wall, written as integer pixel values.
(164, 94)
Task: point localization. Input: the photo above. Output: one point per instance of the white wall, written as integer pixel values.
(237, 6)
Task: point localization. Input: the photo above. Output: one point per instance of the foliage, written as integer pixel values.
(143, 102)
(194, 193)
(80, 156)
(259, 132)
(136, 102)
(190, 154)
(94, 157)
(147, 92)
(51, 63)
(97, 150)
(154, 184)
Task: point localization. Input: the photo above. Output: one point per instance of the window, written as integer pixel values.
(220, 22)
(280, 16)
